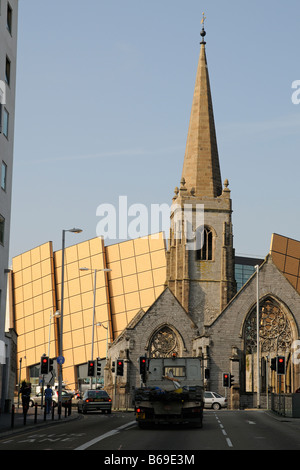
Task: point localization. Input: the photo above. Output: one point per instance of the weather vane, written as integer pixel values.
(203, 19)
(203, 33)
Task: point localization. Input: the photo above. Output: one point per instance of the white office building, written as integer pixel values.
(8, 54)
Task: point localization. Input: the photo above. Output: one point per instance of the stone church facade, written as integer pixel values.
(155, 301)
(200, 313)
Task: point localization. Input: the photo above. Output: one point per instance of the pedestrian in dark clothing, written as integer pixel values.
(25, 392)
(48, 398)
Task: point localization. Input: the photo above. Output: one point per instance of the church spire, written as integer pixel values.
(201, 168)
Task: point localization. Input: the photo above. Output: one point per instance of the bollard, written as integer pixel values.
(12, 416)
(53, 410)
(25, 409)
(45, 412)
(35, 413)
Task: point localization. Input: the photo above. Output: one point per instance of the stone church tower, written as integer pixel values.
(200, 256)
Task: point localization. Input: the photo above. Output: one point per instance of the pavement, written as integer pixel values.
(15, 421)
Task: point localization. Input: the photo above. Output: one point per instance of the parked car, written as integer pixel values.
(214, 400)
(65, 396)
(94, 400)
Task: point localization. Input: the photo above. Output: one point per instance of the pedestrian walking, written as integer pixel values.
(25, 391)
(48, 398)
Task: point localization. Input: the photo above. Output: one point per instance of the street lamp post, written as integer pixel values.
(257, 335)
(73, 230)
(52, 315)
(94, 305)
(106, 328)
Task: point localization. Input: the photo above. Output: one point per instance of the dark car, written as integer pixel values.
(94, 400)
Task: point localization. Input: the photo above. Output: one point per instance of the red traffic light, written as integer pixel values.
(44, 365)
(91, 368)
(225, 379)
(120, 367)
(280, 367)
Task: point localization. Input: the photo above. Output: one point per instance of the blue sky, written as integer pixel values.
(104, 93)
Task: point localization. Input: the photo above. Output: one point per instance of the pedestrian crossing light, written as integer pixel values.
(226, 379)
(120, 367)
(44, 365)
(91, 368)
(231, 380)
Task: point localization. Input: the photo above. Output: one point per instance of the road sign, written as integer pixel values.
(60, 360)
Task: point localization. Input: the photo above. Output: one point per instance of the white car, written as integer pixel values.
(65, 396)
(214, 400)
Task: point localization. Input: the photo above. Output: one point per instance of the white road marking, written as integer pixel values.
(229, 443)
(104, 436)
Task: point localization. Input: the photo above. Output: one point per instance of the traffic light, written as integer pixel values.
(44, 365)
(226, 379)
(143, 368)
(91, 368)
(120, 367)
(231, 380)
(98, 366)
(280, 365)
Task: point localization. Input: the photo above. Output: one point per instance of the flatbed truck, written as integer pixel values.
(172, 392)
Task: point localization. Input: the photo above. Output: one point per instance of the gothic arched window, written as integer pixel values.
(163, 343)
(275, 332)
(206, 252)
(275, 338)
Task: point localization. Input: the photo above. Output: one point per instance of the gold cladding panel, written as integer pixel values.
(83, 250)
(286, 255)
(136, 279)
(34, 294)
(139, 272)
(127, 249)
(141, 246)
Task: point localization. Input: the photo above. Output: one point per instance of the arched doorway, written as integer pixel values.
(277, 330)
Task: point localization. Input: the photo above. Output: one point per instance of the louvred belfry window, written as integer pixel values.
(206, 252)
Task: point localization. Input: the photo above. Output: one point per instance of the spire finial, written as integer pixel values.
(203, 33)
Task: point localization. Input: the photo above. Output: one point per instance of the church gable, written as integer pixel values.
(165, 321)
(273, 285)
(272, 282)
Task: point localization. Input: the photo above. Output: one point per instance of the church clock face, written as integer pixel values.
(163, 343)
